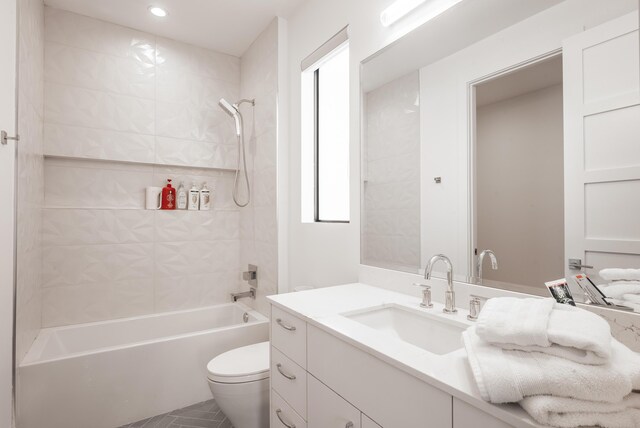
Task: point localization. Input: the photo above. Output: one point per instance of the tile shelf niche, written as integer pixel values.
(129, 162)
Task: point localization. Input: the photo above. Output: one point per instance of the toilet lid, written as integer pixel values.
(246, 364)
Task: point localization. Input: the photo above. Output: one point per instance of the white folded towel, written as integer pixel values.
(568, 412)
(543, 325)
(620, 274)
(505, 376)
(617, 289)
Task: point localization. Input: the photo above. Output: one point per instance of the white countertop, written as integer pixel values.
(450, 373)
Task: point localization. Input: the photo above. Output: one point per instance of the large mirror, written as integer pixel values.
(506, 135)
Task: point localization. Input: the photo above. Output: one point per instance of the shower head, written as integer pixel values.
(232, 111)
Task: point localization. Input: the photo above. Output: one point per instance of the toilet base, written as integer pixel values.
(246, 404)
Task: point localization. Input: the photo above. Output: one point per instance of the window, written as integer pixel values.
(325, 143)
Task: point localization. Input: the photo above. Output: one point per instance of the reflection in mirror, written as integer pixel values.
(513, 152)
(519, 180)
(391, 174)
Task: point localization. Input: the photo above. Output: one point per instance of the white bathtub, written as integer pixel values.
(106, 374)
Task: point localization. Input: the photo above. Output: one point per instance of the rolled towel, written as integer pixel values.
(614, 274)
(505, 376)
(568, 412)
(543, 325)
(617, 289)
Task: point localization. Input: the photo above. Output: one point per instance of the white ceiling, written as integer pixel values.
(228, 26)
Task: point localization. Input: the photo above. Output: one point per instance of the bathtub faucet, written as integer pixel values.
(251, 293)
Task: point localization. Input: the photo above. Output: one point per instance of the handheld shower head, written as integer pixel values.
(232, 111)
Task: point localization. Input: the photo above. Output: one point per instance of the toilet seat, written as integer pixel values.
(245, 364)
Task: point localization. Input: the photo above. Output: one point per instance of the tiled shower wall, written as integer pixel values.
(391, 205)
(30, 172)
(125, 110)
(258, 233)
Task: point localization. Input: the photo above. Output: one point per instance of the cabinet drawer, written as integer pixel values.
(465, 415)
(390, 396)
(282, 415)
(289, 380)
(289, 335)
(328, 410)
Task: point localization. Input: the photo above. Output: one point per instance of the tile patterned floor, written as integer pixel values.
(202, 415)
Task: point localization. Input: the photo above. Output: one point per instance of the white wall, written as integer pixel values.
(8, 36)
(328, 254)
(30, 197)
(114, 94)
(259, 228)
(519, 187)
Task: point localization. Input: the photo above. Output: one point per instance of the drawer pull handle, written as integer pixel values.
(285, 326)
(278, 413)
(349, 425)
(282, 372)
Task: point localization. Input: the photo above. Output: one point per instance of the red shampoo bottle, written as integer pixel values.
(168, 197)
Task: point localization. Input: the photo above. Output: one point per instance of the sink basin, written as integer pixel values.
(433, 333)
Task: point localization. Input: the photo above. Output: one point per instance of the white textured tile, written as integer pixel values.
(83, 32)
(77, 142)
(131, 298)
(69, 105)
(30, 173)
(86, 226)
(103, 72)
(171, 151)
(189, 122)
(82, 187)
(196, 90)
(75, 304)
(86, 264)
(179, 292)
(187, 59)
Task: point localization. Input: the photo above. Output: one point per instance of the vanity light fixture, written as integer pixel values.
(157, 11)
(400, 8)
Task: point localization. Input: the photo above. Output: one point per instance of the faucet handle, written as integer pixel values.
(426, 295)
(475, 305)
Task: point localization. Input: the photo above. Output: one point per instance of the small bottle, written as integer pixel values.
(182, 197)
(205, 198)
(194, 198)
(168, 197)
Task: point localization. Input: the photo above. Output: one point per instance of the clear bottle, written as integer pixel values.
(194, 198)
(182, 197)
(205, 198)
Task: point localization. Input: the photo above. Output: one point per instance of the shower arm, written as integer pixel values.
(245, 100)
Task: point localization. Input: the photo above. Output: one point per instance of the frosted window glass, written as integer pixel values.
(333, 138)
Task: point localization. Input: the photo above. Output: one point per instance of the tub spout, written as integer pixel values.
(251, 293)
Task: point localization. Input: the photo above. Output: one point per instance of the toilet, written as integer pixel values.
(239, 381)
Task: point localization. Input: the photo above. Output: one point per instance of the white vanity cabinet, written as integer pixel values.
(465, 415)
(321, 381)
(328, 409)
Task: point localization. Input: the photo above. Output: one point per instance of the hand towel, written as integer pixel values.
(505, 376)
(617, 289)
(568, 412)
(543, 325)
(620, 274)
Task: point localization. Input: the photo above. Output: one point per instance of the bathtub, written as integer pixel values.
(107, 374)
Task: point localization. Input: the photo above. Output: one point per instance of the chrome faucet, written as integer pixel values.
(450, 295)
(494, 262)
(251, 293)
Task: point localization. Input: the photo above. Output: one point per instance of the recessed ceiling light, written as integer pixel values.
(157, 11)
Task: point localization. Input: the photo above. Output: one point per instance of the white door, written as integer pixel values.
(7, 168)
(602, 146)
